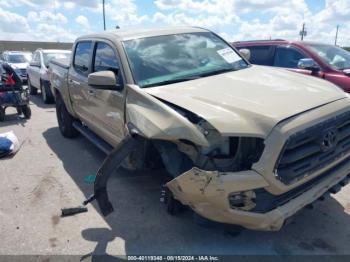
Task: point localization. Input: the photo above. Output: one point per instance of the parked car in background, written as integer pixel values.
(38, 72)
(325, 61)
(242, 144)
(18, 60)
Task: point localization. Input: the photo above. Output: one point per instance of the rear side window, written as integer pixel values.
(82, 57)
(261, 55)
(36, 57)
(287, 57)
(105, 58)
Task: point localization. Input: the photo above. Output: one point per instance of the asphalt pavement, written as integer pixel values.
(50, 172)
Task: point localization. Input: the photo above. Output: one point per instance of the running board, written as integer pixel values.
(92, 137)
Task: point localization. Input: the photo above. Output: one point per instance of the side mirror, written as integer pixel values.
(35, 64)
(346, 72)
(308, 64)
(103, 80)
(245, 53)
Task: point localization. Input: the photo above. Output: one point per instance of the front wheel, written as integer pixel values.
(46, 92)
(65, 120)
(27, 112)
(32, 90)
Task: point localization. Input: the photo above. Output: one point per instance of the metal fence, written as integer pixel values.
(31, 45)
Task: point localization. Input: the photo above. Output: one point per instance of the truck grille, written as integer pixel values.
(314, 148)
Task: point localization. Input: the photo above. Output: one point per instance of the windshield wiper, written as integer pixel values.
(188, 78)
(217, 72)
(172, 81)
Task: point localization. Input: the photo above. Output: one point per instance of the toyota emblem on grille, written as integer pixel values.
(329, 140)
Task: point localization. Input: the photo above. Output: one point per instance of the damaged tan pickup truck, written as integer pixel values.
(241, 144)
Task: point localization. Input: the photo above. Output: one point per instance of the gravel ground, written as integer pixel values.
(48, 173)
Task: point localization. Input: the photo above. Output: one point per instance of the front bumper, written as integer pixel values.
(24, 79)
(207, 193)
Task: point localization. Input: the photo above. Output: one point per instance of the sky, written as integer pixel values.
(235, 20)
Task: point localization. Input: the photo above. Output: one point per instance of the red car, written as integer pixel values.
(326, 61)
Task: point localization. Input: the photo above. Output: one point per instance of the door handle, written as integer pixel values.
(74, 82)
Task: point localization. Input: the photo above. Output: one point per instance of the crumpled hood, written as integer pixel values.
(251, 101)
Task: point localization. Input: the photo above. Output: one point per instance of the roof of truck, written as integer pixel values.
(127, 34)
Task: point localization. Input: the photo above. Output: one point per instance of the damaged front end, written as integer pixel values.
(206, 171)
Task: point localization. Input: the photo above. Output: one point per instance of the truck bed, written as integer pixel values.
(62, 62)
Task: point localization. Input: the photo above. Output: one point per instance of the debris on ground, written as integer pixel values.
(72, 211)
(9, 144)
(90, 179)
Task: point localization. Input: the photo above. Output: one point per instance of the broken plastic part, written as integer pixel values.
(73, 211)
(110, 165)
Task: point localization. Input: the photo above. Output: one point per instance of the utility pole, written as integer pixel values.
(336, 35)
(303, 32)
(104, 15)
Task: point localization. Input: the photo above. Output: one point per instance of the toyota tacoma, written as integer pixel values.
(241, 144)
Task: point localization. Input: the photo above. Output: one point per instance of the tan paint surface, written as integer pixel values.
(251, 101)
(258, 101)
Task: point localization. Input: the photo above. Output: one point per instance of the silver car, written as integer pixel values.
(19, 61)
(37, 70)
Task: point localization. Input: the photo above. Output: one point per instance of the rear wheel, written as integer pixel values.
(19, 110)
(2, 114)
(46, 92)
(65, 120)
(27, 112)
(32, 90)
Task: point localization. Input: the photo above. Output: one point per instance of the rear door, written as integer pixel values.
(109, 103)
(79, 89)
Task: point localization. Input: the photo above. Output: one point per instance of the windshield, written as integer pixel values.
(49, 56)
(17, 58)
(174, 58)
(333, 55)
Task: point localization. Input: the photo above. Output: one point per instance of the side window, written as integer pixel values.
(81, 61)
(36, 57)
(287, 57)
(105, 58)
(261, 55)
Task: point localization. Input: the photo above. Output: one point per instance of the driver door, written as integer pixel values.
(109, 103)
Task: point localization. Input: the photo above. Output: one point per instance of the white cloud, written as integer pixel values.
(12, 22)
(82, 21)
(46, 16)
(271, 18)
(200, 20)
(44, 4)
(124, 13)
(69, 5)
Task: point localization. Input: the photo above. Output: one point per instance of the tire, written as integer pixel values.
(65, 120)
(46, 93)
(19, 110)
(2, 114)
(32, 90)
(27, 112)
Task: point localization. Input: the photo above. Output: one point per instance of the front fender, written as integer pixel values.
(156, 120)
